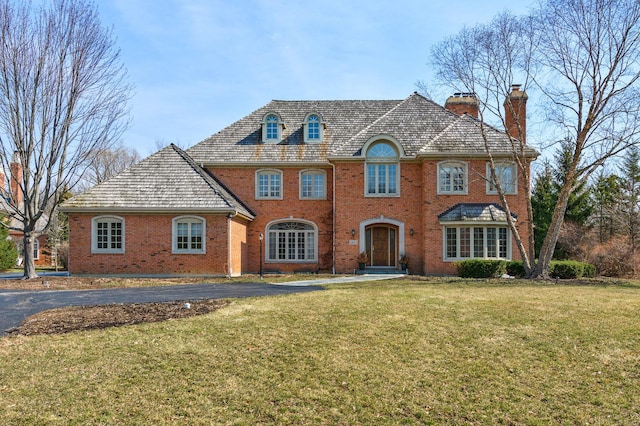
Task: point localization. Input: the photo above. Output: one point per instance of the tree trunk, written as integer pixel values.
(29, 265)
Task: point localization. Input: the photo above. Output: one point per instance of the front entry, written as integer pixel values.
(381, 245)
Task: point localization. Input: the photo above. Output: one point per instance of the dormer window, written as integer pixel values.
(272, 127)
(313, 128)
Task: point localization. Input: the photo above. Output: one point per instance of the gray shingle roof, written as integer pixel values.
(168, 180)
(474, 212)
(421, 126)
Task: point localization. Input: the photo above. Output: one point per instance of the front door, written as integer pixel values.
(381, 245)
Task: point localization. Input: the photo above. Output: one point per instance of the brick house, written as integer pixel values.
(308, 186)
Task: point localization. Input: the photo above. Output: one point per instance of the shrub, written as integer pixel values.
(568, 269)
(8, 254)
(515, 268)
(480, 268)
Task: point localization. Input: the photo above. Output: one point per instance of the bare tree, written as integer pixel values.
(63, 98)
(108, 162)
(583, 57)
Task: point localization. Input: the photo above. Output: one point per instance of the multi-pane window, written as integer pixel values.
(452, 178)
(313, 184)
(272, 128)
(291, 242)
(465, 242)
(107, 235)
(269, 184)
(313, 128)
(506, 175)
(382, 177)
(188, 235)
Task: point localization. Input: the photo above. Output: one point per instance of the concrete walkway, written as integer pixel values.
(339, 280)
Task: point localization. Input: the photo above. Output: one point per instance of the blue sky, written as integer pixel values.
(199, 65)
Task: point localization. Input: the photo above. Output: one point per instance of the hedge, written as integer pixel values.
(569, 269)
(481, 268)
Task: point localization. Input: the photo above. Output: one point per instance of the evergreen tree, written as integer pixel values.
(8, 249)
(606, 193)
(543, 201)
(629, 205)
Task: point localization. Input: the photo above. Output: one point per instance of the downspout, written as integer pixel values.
(333, 209)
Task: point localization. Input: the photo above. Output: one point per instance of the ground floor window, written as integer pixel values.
(188, 235)
(107, 234)
(465, 242)
(292, 242)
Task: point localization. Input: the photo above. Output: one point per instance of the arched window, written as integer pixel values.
(272, 127)
(107, 234)
(382, 170)
(188, 235)
(269, 184)
(452, 177)
(292, 241)
(313, 128)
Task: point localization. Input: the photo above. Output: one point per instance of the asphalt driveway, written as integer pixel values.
(16, 305)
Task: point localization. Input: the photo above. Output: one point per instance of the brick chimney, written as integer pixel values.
(15, 179)
(515, 113)
(461, 103)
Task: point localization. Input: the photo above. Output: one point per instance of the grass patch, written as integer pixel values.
(396, 352)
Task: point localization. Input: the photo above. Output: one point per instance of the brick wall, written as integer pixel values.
(148, 247)
(241, 180)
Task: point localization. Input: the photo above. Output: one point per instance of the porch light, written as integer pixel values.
(353, 232)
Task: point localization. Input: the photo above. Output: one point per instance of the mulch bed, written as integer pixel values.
(64, 320)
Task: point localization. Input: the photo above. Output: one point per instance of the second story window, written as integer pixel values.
(381, 171)
(452, 178)
(269, 184)
(506, 175)
(313, 185)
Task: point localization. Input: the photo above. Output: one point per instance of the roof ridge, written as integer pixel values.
(377, 120)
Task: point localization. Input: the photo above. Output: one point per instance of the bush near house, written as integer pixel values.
(481, 268)
(8, 250)
(569, 269)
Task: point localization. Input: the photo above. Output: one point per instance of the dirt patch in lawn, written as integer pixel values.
(64, 320)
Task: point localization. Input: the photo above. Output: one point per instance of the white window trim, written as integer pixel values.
(36, 249)
(313, 172)
(280, 125)
(94, 234)
(471, 241)
(268, 236)
(257, 184)
(174, 234)
(466, 177)
(321, 127)
(499, 165)
(384, 161)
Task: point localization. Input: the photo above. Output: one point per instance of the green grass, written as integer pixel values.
(398, 352)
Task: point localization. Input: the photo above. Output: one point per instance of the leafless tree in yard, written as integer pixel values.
(583, 58)
(63, 98)
(108, 162)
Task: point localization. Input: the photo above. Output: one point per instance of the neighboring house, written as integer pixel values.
(11, 195)
(308, 186)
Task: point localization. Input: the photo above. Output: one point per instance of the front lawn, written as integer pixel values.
(395, 352)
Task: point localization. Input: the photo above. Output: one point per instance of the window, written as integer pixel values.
(381, 170)
(188, 235)
(313, 128)
(506, 175)
(452, 178)
(269, 184)
(313, 184)
(272, 127)
(466, 242)
(292, 241)
(36, 249)
(107, 234)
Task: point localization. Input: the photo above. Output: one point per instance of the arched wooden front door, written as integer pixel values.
(381, 243)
